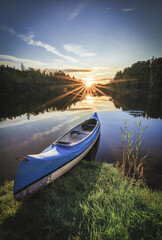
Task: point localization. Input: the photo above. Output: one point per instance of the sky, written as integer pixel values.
(85, 38)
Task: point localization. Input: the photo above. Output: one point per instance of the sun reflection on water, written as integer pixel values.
(79, 90)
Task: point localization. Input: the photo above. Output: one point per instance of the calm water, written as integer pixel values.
(28, 135)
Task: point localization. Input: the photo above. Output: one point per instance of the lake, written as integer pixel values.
(32, 133)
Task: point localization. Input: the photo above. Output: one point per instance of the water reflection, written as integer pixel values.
(147, 104)
(143, 101)
(35, 130)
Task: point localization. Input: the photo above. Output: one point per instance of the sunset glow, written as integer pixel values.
(67, 36)
(89, 81)
(88, 97)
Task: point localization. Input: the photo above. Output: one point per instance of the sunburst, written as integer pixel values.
(89, 81)
(81, 89)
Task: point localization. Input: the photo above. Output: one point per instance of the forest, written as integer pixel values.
(142, 70)
(32, 81)
(27, 90)
(138, 87)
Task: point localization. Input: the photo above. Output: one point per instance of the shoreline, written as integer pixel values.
(91, 201)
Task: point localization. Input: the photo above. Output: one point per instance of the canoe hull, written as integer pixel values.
(36, 186)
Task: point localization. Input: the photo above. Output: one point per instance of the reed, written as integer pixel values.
(132, 165)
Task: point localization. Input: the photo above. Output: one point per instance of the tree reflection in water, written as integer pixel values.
(128, 95)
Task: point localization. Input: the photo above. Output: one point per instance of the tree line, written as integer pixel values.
(138, 87)
(32, 82)
(142, 70)
(28, 90)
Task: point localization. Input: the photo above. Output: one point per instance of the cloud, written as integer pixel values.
(127, 9)
(78, 50)
(29, 39)
(107, 68)
(71, 70)
(15, 59)
(122, 9)
(7, 63)
(103, 73)
(104, 79)
(96, 71)
(77, 70)
(76, 11)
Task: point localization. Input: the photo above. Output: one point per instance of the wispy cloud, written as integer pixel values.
(24, 60)
(70, 70)
(97, 71)
(104, 73)
(29, 39)
(7, 63)
(77, 70)
(127, 9)
(78, 50)
(76, 11)
(105, 79)
(122, 9)
(106, 68)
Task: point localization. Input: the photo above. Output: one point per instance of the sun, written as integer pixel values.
(89, 81)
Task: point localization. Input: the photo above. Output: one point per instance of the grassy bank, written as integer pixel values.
(92, 201)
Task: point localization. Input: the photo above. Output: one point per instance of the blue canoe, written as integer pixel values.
(36, 171)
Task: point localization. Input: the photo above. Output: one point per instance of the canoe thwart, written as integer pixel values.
(64, 142)
(89, 124)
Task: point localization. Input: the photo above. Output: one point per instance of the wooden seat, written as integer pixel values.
(80, 132)
(64, 142)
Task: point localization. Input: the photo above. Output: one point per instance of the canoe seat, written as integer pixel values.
(89, 124)
(88, 127)
(65, 142)
(80, 132)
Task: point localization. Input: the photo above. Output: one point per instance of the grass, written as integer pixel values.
(92, 201)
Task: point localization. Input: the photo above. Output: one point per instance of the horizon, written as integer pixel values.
(86, 39)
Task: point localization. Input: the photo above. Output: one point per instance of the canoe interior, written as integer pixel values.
(78, 133)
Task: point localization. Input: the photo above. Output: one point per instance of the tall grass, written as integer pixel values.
(133, 138)
(93, 201)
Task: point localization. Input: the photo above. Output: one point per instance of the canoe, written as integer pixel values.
(38, 170)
